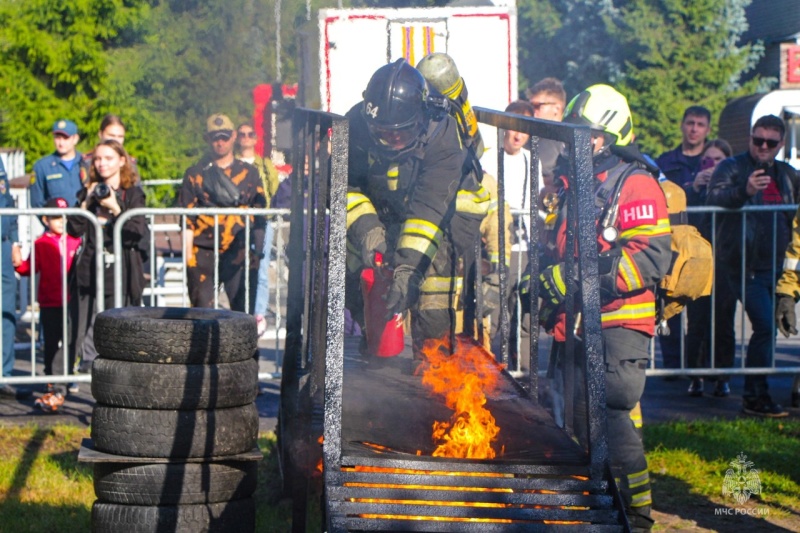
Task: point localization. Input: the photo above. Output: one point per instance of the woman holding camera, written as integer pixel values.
(111, 191)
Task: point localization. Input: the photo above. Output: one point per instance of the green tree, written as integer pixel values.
(53, 62)
(680, 53)
(664, 55)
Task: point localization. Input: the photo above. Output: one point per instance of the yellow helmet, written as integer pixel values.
(603, 108)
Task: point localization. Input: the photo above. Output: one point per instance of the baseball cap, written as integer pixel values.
(66, 127)
(218, 122)
(56, 202)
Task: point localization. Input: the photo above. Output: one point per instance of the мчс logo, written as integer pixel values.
(741, 480)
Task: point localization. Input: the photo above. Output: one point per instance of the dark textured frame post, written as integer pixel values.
(583, 228)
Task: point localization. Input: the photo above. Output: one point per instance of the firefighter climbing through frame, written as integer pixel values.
(633, 242)
(414, 197)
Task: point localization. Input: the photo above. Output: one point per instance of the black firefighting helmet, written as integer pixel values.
(395, 106)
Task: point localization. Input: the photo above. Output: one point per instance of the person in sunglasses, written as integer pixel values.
(246, 139)
(220, 180)
(753, 178)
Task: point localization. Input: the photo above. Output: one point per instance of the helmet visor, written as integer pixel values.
(395, 138)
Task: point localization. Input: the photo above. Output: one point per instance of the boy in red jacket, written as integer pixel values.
(53, 250)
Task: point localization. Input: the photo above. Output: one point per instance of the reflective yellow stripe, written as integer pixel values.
(494, 257)
(636, 415)
(422, 245)
(524, 282)
(475, 202)
(559, 279)
(420, 235)
(629, 272)
(392, 175)
(358, 205)
(441, 284)
(638, 479)
(492, 207)
(648, 230)
(630, 312)
(418, 226)
(641, 499)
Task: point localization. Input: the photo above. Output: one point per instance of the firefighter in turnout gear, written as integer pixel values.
(414, 197)
(633, 242)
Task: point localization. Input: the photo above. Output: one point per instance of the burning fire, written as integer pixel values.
(463, 378)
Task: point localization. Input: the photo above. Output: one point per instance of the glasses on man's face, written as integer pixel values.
(250, 134)
(771, 143)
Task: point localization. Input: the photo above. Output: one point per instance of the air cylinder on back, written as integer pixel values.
(441, 72)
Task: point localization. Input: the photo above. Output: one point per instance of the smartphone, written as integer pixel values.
(762, 166)
(706, 163)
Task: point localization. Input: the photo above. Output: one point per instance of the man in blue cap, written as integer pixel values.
(58, 174)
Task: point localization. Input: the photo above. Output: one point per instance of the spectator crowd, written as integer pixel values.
(231, 252)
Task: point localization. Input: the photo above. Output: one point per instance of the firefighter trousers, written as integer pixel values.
(200, 279)
(626, 354)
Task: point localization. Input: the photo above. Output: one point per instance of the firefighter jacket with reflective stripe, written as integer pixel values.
(631, 267)
(789, 284)
(414, 195)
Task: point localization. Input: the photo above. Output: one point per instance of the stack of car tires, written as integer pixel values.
(175, 391)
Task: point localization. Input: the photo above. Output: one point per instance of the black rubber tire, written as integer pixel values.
(174, 434)
(237, 516)
(174, 483)
(175, 335)
(157, 386)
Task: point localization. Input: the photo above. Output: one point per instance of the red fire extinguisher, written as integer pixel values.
(384, 337)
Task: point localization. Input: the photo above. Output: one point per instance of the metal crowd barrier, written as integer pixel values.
(32, 378)
(158, 291)
(778, 347)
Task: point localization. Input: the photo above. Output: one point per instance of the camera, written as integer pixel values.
(102, 191)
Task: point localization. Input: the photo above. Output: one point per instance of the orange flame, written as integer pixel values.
(463, 378)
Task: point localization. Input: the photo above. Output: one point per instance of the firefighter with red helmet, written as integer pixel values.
(414, 197)
(633, 242)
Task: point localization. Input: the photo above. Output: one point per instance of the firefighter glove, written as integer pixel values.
(404, 291)
(785, 315)
(374, 243)
(553, 288)
(547, 315)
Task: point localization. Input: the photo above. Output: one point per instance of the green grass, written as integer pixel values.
(44, 488)
(688, 460)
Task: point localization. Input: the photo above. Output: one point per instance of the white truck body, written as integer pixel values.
(482, 41)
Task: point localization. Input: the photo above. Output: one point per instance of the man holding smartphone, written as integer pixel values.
(753, 178)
